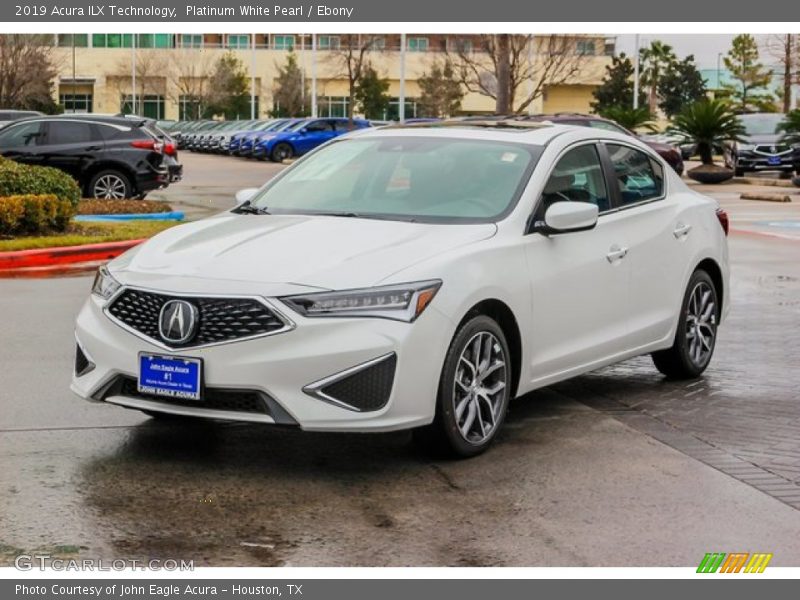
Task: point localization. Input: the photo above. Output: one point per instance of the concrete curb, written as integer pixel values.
(766, 197)
(59, 256)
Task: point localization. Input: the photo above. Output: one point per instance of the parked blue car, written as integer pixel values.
(303, 137)
(235, 144)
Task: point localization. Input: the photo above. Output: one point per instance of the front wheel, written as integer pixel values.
(696, 335)
(474, 391)
(281, 152)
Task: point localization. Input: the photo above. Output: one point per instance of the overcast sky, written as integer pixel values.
(704, 47)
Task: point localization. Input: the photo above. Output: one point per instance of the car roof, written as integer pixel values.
(92, 118)
(494, 129)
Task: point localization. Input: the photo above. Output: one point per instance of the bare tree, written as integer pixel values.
(151, 75)
(27, 71)
(785, 49)
(515, 70)
(351, 59)
(188, 79)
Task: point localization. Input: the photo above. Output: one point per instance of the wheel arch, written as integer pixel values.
(504, 317)
(710, 266)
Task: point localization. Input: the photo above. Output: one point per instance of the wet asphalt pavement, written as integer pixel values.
(618, 467)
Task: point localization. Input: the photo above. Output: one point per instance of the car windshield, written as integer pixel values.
(761, 124)
(430, 179)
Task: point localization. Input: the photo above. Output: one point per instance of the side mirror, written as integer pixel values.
(244, 195)
(565, 217)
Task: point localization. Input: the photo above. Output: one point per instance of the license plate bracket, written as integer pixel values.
(177, 377)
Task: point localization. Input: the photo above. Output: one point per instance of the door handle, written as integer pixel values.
(616, 253)
(681, 230)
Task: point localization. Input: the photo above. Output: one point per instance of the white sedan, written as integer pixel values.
(414, 277)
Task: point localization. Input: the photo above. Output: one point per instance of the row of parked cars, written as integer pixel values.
(110, 156)
(264, 139)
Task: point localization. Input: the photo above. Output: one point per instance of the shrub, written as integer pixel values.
(118, 207)
(33, 213)
(17, 179)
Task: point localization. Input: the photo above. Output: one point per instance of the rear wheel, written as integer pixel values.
(109, 185)
(696, 335)
(474, 391)
(281, 152)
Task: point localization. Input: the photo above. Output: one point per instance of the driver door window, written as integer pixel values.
(577, 177)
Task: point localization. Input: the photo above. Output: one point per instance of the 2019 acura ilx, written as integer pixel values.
(414, 277)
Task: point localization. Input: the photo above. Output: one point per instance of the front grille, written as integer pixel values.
(770, 149)
(367, 389)
(220, 319)
(216, 399)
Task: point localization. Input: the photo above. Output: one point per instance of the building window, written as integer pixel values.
(238, 41)
(333, 106)
(189, 108)
(460, 45)
(585, 47)
(76, 103)
(393, 114)
(417, 44)
(284, 42)
(190, 40)
(329, 42)
(150, 106)
(81, 40)
(154, 40)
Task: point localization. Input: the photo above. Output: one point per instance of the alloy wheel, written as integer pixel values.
(481, 381)
(110, 187)
(701, 323)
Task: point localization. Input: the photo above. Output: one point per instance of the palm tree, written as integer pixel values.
(630, 118)
(790, 126)
(655, 61)
(709, 124)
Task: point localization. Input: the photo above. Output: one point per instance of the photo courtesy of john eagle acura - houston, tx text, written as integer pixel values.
(414, 277)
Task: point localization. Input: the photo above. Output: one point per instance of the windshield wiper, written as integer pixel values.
(246, 208)
(337, 213)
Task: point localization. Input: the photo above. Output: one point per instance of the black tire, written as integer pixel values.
(680, 361)
(117, 184)
(444, 435)
(281, 152)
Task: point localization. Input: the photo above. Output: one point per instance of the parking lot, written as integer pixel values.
(617, 467)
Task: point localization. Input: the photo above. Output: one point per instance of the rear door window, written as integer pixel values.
(69, 132)
(638, 176)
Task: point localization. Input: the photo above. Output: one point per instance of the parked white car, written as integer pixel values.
(414, 277)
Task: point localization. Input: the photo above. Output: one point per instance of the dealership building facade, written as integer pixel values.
(96, 74)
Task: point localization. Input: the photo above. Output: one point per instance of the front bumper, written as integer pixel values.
(287, 368)
(757, 162)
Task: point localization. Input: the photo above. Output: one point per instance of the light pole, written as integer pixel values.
(636, 73)
(314, 75)
(401, 109)
(719, 71)
(252, 76)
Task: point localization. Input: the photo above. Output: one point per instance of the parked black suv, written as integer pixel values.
(110, 157)
(762, 147)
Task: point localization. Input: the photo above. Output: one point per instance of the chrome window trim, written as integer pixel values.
(288, 324)
(315, 389)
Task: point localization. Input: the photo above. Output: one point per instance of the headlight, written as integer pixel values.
(104, 284)
(403, 302)
(746, 147)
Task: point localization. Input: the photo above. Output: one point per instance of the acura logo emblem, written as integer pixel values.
(177, 322)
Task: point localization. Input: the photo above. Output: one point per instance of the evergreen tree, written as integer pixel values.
(290, 96)
(229, 87)
(440, 91)
(681, 86)
(749, 75)
(371, 94)
(616, 88)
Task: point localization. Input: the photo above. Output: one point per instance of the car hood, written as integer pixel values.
(315, 251)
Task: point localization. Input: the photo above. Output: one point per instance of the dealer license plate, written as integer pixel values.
(170, 376)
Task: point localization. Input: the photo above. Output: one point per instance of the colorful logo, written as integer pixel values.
(735, 562)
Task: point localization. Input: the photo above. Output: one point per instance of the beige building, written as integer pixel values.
(95, 70)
